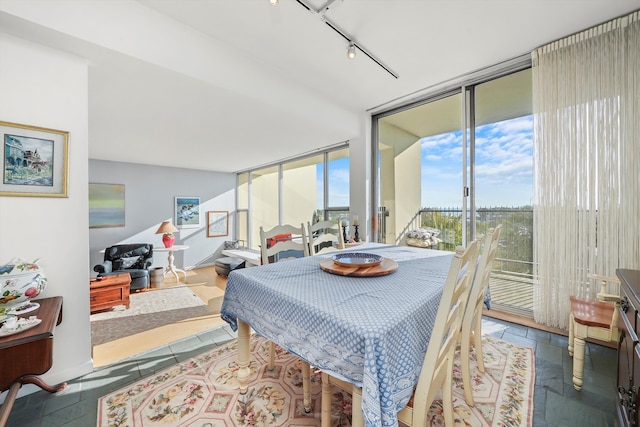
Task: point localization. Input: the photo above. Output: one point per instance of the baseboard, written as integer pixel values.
(530, 323)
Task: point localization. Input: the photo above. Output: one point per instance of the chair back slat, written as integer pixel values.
(437, 366)
(324, 232)
(271, 245)
(473, 310)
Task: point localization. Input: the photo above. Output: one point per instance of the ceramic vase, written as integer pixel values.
(168, 240)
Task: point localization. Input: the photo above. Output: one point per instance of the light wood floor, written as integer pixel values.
(206, 284)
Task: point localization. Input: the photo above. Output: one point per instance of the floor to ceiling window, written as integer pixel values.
(453, 185)
(306, 189)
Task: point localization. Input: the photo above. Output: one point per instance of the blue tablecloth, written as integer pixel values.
(370, 331)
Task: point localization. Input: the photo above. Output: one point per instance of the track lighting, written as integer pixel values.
(351, 51)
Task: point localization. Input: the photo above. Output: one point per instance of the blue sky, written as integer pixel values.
(504, 168)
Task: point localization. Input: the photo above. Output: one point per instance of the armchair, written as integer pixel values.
(133, 258)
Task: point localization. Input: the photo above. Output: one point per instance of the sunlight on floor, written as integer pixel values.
(206, 284)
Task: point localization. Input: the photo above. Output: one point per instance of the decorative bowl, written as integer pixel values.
(19, 282)
(356, 259)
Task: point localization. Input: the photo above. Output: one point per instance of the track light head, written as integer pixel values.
(351, 51)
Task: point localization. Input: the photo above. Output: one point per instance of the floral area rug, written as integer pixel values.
(203, 392)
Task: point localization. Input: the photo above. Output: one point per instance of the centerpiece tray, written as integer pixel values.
(385, 266)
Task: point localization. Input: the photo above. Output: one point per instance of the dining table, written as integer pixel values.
(372, 332)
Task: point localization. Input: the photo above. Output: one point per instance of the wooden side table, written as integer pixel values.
(29, 353)
(109, 292)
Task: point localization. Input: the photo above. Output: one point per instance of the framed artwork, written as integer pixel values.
(106, 205)
(34, 161)
(187, 212)
(217, 223)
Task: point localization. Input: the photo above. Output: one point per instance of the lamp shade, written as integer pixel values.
(166, 227)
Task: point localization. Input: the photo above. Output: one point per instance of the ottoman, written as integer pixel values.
(226, 265)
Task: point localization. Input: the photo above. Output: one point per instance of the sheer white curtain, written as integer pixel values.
(586, 91)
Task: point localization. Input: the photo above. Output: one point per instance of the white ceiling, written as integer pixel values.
(227, 85)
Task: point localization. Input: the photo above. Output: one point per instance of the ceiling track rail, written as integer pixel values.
(322, 14)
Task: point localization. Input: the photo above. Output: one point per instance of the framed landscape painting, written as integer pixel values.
(187, 212)
(34, 161)
(106, 205)
(217, 223)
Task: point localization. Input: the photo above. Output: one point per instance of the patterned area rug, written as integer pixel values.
(147, 310)
(203, 392)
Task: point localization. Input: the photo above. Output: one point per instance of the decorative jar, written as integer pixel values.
(20, 282)
(168, 239)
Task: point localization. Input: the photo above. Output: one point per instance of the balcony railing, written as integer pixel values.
(512, 276)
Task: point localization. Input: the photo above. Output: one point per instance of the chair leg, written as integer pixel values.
(571, 334)
(578, 362)
(306, 386)
(325, 415)
(477, 344)
(272, 356)
(447, 401)
(465, 350)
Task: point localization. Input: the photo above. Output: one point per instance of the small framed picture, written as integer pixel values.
(217, 223)
(34, 161)
(187, 212)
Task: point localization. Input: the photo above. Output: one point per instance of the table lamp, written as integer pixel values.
(167, 229)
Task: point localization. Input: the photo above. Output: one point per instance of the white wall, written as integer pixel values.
(150, 193)
(47, 88)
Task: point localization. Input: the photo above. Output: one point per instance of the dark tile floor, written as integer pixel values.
(556, 403)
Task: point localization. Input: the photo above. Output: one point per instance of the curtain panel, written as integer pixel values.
(586, 96)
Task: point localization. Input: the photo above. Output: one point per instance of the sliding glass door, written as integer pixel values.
(440, 186)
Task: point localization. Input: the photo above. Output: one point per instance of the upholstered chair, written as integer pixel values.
(132, 258)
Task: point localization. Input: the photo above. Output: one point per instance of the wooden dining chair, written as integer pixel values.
(471, 333)
(284, 243)
(437, 366)
(589, 318)
(323, 233)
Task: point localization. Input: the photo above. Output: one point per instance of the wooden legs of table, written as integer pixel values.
(306, 386)
(325, 413)
(33, 379)
(8, 403)
(171, 268)
(244, 371)
(9, 400)
(357, 417)
(244, 355)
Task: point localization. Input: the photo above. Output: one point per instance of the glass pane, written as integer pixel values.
(420, 165)
(338, 178)
(243, 226)
(504, 184)
(243, 191)
(300, 190)
(264, 202)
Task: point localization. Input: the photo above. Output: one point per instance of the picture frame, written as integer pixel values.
(187, 212)
(106, 205)
(35, 161)
(217, 223)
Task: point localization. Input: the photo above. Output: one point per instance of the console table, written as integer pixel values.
(628, 381)
(27, 354)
